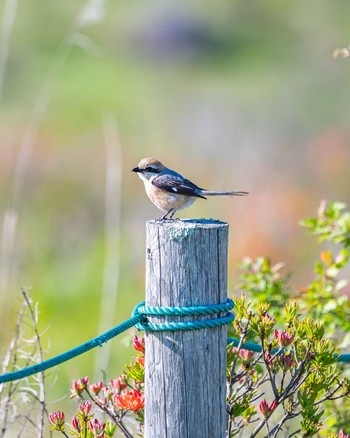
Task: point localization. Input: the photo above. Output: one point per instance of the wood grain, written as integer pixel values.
(185, 389)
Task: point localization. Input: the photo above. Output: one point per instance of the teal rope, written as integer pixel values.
(70, 354)
(185, 311)
(246, 345)
(258, 349)
(185, 325)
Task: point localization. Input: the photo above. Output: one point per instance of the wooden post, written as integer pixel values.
(185, 386)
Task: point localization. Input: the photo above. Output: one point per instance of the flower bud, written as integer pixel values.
(139, 344)
(57, 421)
(284, 339)
(245, 354)
(95, 388)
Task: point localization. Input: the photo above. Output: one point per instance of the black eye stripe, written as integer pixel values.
(151, 169)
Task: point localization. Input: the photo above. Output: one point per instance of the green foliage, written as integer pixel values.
(299, 362)
(332, 223)
(321, 298)
(264, 282)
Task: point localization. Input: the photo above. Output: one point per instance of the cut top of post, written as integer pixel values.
(178, 230)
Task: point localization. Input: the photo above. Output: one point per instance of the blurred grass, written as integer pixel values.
(241, 95)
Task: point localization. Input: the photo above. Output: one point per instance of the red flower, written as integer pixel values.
(284, 339)
(265, 409)
(57, 420)
(139, 344)
(132, 400)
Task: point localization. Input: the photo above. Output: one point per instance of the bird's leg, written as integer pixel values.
(166, 214)
(172, 214)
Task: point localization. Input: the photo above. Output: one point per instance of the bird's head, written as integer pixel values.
(148, 168)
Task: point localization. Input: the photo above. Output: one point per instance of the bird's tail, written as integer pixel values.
(223, 193)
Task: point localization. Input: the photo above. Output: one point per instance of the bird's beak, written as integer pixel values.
(136, 169)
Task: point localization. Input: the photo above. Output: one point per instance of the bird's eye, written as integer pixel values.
(151, 169)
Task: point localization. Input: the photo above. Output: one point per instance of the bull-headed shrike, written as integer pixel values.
(170, 191)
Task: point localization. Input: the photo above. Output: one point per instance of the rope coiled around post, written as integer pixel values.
(182, 311)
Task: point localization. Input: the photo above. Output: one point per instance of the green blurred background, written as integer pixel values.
(234, 94)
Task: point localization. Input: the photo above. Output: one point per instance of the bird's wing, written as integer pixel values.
(178, 185)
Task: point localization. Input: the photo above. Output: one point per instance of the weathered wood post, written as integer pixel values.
(186, 265)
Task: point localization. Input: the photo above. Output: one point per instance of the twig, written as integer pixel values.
(272, 378)
(278, 426)
(294, 433)
(257, 429)
(41, 358)
(11, 353)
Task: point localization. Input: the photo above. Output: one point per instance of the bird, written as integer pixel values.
(169, 190)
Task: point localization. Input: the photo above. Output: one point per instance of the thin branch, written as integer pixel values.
(11, 353)
(257, 429)
(272, 378)
(278, 426)
(41, 358)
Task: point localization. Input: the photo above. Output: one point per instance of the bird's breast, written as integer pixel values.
(166, 201)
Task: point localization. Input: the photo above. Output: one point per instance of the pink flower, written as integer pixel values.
(245, 354)
(342, 434)
(78, 387)
(265, 409)
(84, 410)
(97, 428)
(119, 384)
(273, 406)
(76, 423)
(102, 401)
(139, 344)
(270, 359)
(107, 392)
(57, 421)
(130, 400)
(95, 388)
(284, 339)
